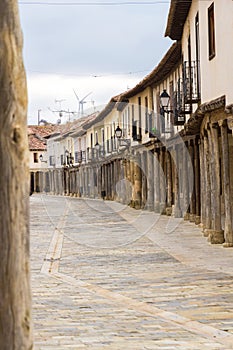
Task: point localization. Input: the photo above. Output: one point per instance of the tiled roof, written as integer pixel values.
(108, 108)
(43, 130)
(36, 143)
(76, 126)
(37, 134)
(178, 13)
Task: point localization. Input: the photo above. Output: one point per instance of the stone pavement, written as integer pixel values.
(105, 276)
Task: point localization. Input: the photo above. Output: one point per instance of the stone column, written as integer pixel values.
(91, 181)
(177, 210)
(192, 214)
(128, 183)
(216, 234)
(102, 184)
(123, 181)
(132, 180)
(86, 181)
(150, 181)
(226, 185)
(109, 181)
(81, 183)
(169, 183)
(202, 183)
(156, 181)
(144, 177)
(197, 181)
(118, 180)
(185, 180)
(137, 183)
(72, 182)
(207, 192)
(162, 181)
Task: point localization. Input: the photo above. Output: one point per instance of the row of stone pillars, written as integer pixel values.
(190, 179)
(217, 189)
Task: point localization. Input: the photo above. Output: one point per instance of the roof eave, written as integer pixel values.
(178, 13)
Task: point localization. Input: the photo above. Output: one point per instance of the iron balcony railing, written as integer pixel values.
(191, 82)
(80, 157)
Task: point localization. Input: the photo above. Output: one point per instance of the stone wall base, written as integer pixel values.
(227, 245)
(216, 237)
(197, 220)
(157, 207)
(169, 211)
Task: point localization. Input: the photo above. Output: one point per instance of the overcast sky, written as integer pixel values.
(91, 48)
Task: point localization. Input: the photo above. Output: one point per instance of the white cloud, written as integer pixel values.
(45, 89)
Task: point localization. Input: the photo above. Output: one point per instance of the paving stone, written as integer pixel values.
(105, 276)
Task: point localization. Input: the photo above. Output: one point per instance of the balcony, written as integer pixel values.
(90, 154)
(136, 132)
(80, 157)
(179, 106)
(191, 82)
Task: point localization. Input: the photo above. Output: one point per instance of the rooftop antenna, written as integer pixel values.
(60, 102)
(81, 103)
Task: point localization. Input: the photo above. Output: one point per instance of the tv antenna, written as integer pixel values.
(60, 102)
(81, 102)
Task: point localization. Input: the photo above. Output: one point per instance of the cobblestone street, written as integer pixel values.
(105, 276)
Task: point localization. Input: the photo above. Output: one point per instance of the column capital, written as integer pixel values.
(222, 123)
(229, 109)
(230, 123)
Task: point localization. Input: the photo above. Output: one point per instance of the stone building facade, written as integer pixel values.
(174, 160)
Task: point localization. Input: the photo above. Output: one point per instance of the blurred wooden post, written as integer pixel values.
(15, 296)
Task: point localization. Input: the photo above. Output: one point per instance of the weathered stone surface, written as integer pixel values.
(107, 276)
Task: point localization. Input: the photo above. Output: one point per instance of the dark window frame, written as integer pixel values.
(146, 116)
(211, 32)
(35, 157)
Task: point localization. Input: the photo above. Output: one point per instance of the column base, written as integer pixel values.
(169, 211)
(149, 207)
(135, 204)
(197, 220)
(162, 207)
(186, 217)
(206, 232)
(192, 217)
(157, 207)
(216, 237)
(227, 245)
(177, 212)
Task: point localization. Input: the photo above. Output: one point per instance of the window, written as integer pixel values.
(197, 32)
(211, 32)
(51, 160)
(62, 159)
(146, 115)
(128, 121)
(76, 157)
(134, 125)
(35, 158)
(139, 116)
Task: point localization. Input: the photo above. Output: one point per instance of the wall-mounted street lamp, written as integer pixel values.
(97, 146)
(69, 158)
(122, 140)
(179, 119)
(41, 159)
(118, 132)
(97, 149)
(164, 100)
